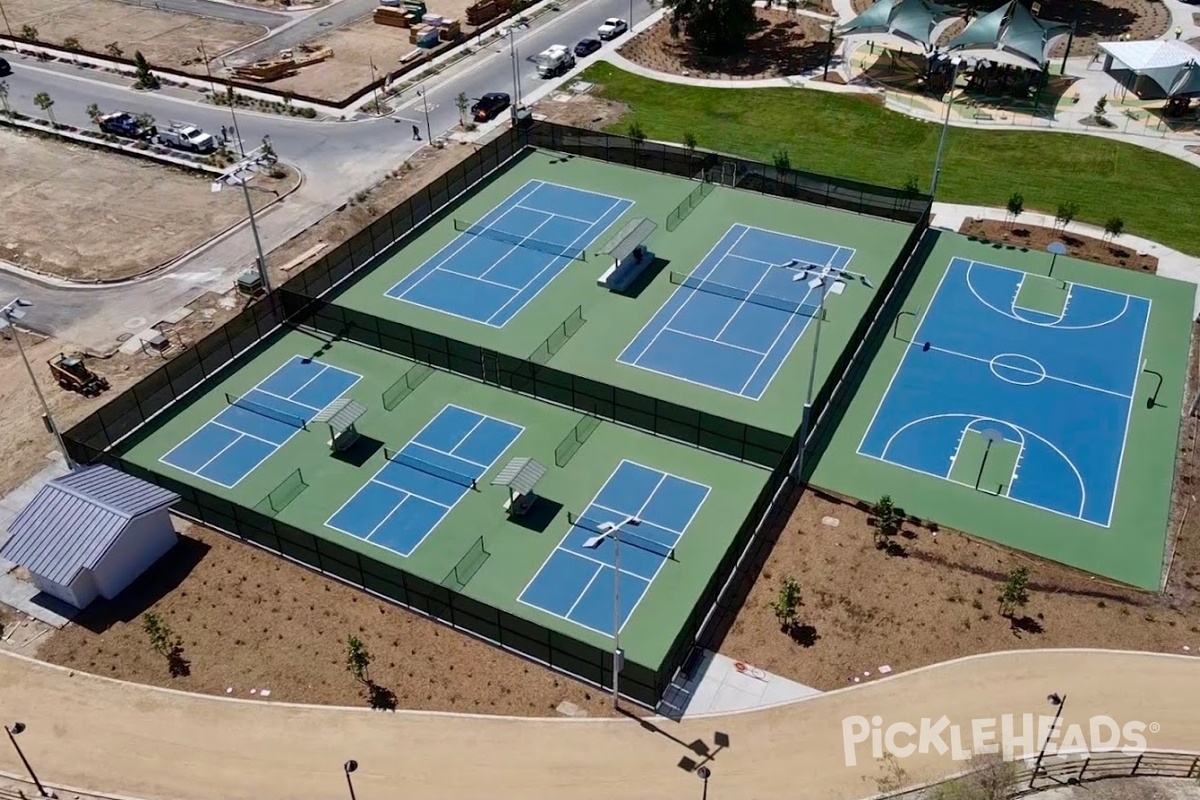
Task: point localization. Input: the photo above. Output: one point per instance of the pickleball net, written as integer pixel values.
(626, 535)
(429, 468)
(516, 239)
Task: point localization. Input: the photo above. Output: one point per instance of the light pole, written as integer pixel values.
(957, 62)
(9, 315)
(825, 279)
(425, 102)
(233, 175)
(612, 530)
(232, 100)
(1054, 700)
(349, 767)
(512, 55)
(7, 25)
(704, 773)
(13, 731)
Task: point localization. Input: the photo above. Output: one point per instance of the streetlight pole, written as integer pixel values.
(232, 99)
(9, 315)
(7, 25)
(704, 773)
(425, 103)
(13, 731)
(1055, 700)
(349, 767)
(937, 164)
(234, 174)
(612, 530)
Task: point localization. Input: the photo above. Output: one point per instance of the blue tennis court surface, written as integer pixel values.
(1056, 389)
(491, 272)
(410, 494)
(232, 444)
(576, 582)
(736, 320)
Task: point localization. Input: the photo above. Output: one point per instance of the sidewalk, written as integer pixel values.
(140, 741)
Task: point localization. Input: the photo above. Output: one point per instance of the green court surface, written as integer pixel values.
(514, 552)
(614, 320)
(1079, 382)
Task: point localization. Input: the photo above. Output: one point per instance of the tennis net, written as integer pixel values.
(407, 460)
(626, 535)
(488, 232)
(266, 411)
(745, 295)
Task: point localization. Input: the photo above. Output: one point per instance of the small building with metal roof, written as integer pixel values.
(91, 533)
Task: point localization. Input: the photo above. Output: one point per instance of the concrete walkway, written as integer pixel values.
(114, 737)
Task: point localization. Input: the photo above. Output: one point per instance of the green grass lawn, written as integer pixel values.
(853, 136)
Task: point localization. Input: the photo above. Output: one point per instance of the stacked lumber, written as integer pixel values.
(482, 13)
(394, 17)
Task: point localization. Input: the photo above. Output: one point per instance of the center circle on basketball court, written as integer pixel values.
(1016, 368)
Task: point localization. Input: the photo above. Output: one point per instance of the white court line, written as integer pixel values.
(1055, 325)
(851, 250)
(712, 341)
(557, 214)
(587, 586)
(286, 399)
(1046, 375)
(303, 386)
(621, 203)
(518, 245)
(743, 303)
(163, 458)
(1138, 366)
(477, 278)
(241, 433)
(621, 514)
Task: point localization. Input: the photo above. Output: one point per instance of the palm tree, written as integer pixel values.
(46, 103)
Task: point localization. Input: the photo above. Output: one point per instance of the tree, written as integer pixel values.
(716, 27)
(990, 778)
(781, 159)
(268, 150)
(146, 121)
(462, 103)
(786, 604)
(638, 136)
(164, 642)
(1100, 108)
(4, 98)
(1014, 594)
(145, 78)
(358, 660)
(94, 113)
(1114, 227)
(114, 50)
(1066, 212)
(689, 141)
(1016, 205)
(46, 103)
(887, 520)
(29, 33)
(71, 43)
(912, 186)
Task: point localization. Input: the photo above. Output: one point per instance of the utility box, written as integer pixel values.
(250, 284)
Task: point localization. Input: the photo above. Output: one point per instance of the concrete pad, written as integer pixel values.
(716, 685)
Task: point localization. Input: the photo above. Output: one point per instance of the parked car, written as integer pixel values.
(122, 123)
(489, 106)
(611, 28)
(586, 47)
(5, 69)
(183, 136)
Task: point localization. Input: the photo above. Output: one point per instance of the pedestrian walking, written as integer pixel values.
(1178, 31)
(416, 134)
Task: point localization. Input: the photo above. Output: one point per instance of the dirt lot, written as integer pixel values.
(781, 44)
(127, 215)
(355, 47)
(1037, 238)
(165, 38)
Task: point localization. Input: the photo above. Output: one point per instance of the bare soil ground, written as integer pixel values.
(165, 38)
(250, 620)
(581, 111)
(1033, 237)
(355, 47)
(781, 44)
(85, 214)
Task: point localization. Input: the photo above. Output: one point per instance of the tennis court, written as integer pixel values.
(418, 485)
(498, 264)
(576, 581)
(732, 323)
(252, 427)
(1017, 385)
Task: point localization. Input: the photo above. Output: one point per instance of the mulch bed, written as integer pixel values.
(782, 44)
(1034, 237)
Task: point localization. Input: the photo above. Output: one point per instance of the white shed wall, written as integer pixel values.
(145, 540)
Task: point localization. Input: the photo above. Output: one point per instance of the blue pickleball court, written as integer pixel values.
(419, 484)
(736, 319)
(253, 426)
(576, 582)
(489, 272)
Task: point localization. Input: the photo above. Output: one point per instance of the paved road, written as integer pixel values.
(338, 158)
(99, 734)
(230, 12)
(311, 25)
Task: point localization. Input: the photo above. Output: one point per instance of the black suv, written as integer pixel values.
(5, 69)
(489, 106)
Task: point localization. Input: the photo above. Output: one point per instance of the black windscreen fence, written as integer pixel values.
(304, 301)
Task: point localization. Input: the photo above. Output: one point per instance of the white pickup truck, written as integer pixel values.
(554, 60)
(184, 136)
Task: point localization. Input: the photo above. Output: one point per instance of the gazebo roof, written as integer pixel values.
(1011, 34)
(911, 21)
(1169, 63)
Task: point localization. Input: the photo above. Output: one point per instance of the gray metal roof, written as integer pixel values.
(520, 475)
(73, 520)
(635, 232)
(341, 414)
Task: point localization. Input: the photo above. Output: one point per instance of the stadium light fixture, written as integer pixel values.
(612, 530)
(348, 767)
(9, 315)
